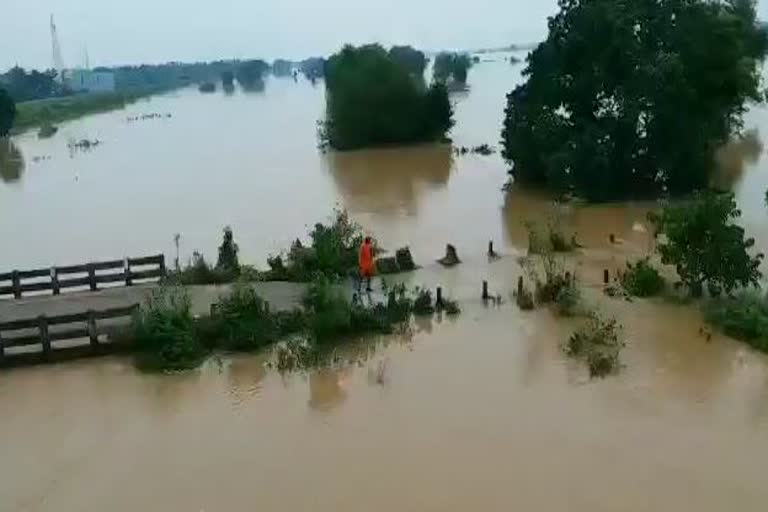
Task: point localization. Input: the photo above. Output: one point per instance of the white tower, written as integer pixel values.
(58, 62)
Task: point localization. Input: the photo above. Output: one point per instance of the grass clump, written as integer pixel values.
(641, 279)
(598, 343)
(165, 332)
(549, 239)
(227, 269)
(569, 299)
(744, 317)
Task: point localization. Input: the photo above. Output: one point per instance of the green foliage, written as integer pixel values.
(228, 78)
(422, 304)
(410, 59)
(313, 68)
(632, 98)
(641, 279)
(372, 100)
(550, 239)
(250, 74)
(282, 67)
(245, 322)
(330, 312)
(598, 343)
(333, 252)
(705, 245)
(165, 333)
(228, 250)
(569, 299)
(31, 85)
(7, 112)
(452, 65)
(744, 317)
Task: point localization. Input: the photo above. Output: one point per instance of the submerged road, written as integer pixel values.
(281, 296)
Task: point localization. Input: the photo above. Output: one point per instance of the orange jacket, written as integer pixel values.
(366, 258)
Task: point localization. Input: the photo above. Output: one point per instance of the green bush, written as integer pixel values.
(422, 304)
(200, 272)
(165, 331)
(245, 320)
(744, 317)
(569, 300)
(641, 279)
(330, 312)
(598, 343)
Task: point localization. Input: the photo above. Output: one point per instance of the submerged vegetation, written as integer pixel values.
(705, 245)
(7, 112)
(598, 343)
(642, 115)
(452, 66)
(641, 279)
(744, 317)
(374, 100)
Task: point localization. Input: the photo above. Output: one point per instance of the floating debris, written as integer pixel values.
(84, 144)
(482, 149)
(47, 130)
(145, 117)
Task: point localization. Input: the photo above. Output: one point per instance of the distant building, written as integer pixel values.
(85, 80)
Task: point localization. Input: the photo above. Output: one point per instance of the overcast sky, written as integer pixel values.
(152, 31)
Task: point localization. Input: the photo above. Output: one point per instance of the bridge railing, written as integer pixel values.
(126, 271)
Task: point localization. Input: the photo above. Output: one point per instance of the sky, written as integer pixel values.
(153, 31)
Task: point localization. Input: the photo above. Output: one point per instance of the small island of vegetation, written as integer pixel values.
(375, 100)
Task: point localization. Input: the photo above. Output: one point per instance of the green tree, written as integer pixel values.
(7, 112)
(228, 250)
(411, 59)
(373, 101)
(632, 97)
(228, 78)
(452, 65)
(705, 246)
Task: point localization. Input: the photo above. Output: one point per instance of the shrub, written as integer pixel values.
(330, 312)
(569, 299)
(598, 343)
(744, 317)
(165, 332)
(706, 246)
(245, 320)
(422, 304)
(228, 261)
(641, 279)
(199, 272)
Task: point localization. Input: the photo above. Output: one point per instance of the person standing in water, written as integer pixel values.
(365, 262)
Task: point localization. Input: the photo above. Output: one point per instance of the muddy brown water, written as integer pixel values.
(478, 412)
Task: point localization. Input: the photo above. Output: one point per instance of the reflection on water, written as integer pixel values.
(389, 181)
(327, 388)
(11, 161)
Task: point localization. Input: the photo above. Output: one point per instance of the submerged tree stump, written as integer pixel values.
(451, 258)
(405, 260)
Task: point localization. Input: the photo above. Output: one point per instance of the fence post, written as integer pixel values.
(606, 276)
(92, 333)
(439, 298)
(45, 338)
(127, 272)
(485, 290)
(520, 286)
(92, 277)
(16, 284)
(55, 281)
(162, 265)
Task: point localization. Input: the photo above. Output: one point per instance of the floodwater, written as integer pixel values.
(481, 412)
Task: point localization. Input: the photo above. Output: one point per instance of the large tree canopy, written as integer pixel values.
(413, 60)
(452, 65)
(632, 97)
(374, 101)
(7, 112)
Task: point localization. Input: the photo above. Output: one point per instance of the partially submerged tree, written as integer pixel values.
(7, 112)
(706, 247)
(250, 74)
(633, 97)
(411, 59)
(452, 66)
(374, 101)
(228, 250)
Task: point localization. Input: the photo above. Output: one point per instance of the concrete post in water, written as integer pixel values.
(16, 284)
(92, 332)
(485, 290)
(127, 272)
(612, 238)
(45, 338)
(520, 286)
(606, 276)
(55, 281)
(439, 304)
(162, 265)
(92, 277)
